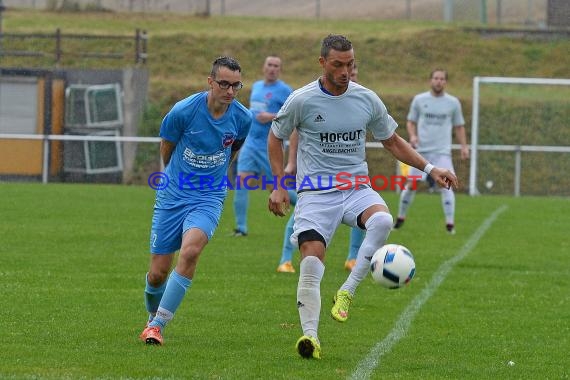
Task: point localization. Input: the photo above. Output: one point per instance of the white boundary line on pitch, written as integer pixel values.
(366, 366)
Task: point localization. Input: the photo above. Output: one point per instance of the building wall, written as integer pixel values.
(558, 13)
(24, 109)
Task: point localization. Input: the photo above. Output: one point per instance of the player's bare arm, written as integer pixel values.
(279, 198)
(404, 152)
(166, 149)
(236, 146)
(265, 117)
(291, 168)
(462, 139)
(411, 127)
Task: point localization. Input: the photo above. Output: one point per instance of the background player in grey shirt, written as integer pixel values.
(331, 116)
(432, 117)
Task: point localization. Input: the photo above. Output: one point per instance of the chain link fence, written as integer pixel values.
(492, 12)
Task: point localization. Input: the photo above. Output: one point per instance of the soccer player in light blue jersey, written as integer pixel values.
(200, 136)
(331, 116)
(432, 118)
(267, 97)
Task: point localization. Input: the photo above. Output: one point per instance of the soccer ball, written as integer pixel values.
(392, 266)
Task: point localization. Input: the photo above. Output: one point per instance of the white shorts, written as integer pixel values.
(324, 211)
(436, 159)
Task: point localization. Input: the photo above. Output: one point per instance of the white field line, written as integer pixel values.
(366, 366)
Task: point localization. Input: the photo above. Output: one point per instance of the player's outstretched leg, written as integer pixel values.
(342, 301)
(378, 227)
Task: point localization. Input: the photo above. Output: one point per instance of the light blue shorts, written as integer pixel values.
(253, 159)
(171, 220)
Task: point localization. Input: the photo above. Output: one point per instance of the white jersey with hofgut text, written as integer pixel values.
(332, 131)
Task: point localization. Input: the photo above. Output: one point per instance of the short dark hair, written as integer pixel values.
(228, 62)
(436, 70)
(335, 42)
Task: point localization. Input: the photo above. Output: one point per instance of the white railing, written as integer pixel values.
(517, 149)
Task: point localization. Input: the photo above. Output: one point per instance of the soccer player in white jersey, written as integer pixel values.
(432, 117)
(332, 115)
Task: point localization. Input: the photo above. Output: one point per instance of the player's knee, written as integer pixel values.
(157, 277)
(310, 235)
(189, 254)
(379, 221)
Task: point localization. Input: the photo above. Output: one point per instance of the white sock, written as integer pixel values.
(378, 227)
(406, 198)
(448, 204)
(309, 294)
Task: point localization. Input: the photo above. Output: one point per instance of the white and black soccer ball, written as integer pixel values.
(392, 266)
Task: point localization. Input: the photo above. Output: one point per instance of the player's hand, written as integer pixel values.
(464, 152)
(279, 202)
(444, 178)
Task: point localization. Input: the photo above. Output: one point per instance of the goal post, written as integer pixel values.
(525, 136)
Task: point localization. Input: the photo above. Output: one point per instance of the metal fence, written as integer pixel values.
(493, 12)
(56, 46)
(516, 186)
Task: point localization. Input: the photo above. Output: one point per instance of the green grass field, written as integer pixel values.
(73, 259)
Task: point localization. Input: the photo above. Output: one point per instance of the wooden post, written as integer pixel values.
(137, 46)
(58, 46)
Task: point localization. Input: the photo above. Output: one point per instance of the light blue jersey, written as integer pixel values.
(196, 173)
(264, 98)
(202, 154)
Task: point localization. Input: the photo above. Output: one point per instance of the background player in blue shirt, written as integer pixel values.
(267, 97)
(200, 136)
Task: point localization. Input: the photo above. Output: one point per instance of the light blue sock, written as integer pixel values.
(176, 287)
(356, 238)
(152, 297)
(287, 251)
(241, 201)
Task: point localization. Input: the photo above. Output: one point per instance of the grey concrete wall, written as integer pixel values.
(558, 14)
